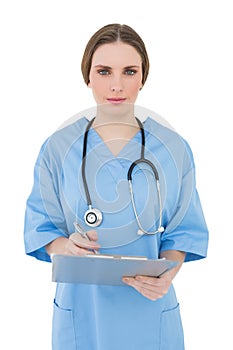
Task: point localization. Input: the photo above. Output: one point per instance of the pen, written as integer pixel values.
(80, 230)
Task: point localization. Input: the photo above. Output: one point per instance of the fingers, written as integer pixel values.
(92, 235)
(73, 249)
(151, 287)
(82, 245)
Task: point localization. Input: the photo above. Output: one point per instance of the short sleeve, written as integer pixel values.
(187, 230)
(44, 218)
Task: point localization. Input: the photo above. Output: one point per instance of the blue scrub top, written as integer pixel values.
(110, 317)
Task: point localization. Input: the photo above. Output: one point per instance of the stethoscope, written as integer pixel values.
(93, 216)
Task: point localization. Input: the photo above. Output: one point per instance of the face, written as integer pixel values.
(116, 74)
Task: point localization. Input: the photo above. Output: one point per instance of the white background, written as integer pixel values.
(190, 84)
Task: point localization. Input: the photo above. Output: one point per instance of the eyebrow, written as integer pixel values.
(108, 67)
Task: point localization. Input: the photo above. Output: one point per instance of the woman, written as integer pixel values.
(84, 166)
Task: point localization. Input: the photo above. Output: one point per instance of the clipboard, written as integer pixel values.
(105, 269)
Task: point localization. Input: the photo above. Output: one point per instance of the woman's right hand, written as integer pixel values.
(74, 245)
(84, 245)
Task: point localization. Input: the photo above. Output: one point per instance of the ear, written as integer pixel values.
(89, 84)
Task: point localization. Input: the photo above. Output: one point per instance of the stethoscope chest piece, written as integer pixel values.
(93, 217)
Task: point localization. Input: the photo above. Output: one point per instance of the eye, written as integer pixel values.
(103, 72)
(130, 72)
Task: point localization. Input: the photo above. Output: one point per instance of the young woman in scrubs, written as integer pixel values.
(144, 313)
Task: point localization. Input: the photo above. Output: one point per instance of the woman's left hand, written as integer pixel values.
(152, 288)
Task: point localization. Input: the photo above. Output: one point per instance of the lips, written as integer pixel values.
(116, 99)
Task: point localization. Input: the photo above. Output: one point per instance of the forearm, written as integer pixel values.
(174, 255)
(58, 246)
(79, 246)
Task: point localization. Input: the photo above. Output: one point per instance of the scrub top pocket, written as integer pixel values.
(63, 337)
(171, 335)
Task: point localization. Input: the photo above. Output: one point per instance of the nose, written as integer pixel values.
(116, 85)
(116, 89)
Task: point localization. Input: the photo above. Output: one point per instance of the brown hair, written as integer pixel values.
(109, 34)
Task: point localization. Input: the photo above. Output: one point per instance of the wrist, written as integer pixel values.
(57, 246)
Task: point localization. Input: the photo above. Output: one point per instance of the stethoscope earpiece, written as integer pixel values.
(143, 232)
(140, 232)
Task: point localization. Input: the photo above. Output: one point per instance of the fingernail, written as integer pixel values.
(139, 278)
(125, 279)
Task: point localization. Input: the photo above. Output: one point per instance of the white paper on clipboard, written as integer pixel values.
(105, 269)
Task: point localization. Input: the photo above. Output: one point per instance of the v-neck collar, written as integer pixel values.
(95, 139)
(117, 165)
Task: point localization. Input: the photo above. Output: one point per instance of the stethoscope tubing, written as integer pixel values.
(96, 213)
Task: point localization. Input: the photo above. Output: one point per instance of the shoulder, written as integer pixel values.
(159, 127)
(169, 138)
(60, 142)
(69, 132)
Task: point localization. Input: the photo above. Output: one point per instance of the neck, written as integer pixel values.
(112, 115)
(115, 129)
